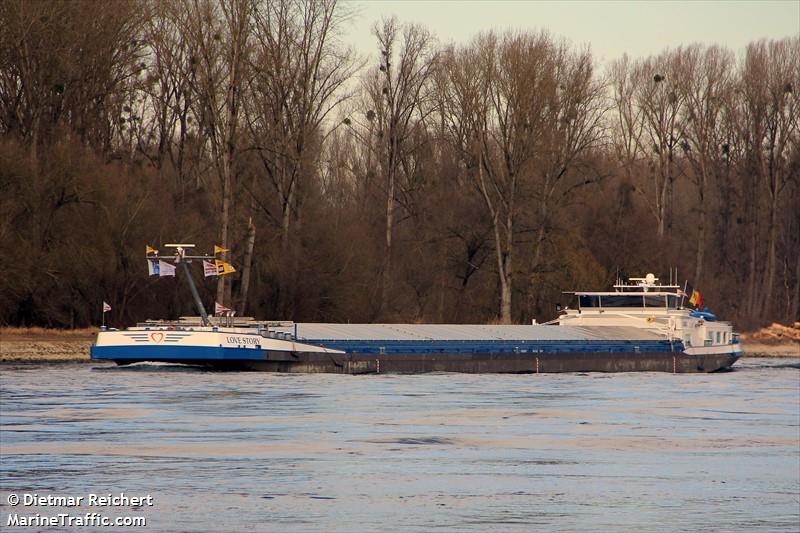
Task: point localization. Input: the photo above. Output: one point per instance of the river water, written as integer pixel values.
(268, 452)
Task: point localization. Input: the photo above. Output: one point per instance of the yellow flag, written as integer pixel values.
(224, 268)
(219, 250)
(150, 250)
(696, 299)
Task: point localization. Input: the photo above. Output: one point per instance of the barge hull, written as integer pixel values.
(510, 363)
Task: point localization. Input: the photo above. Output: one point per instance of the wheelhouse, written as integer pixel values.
(646, 300)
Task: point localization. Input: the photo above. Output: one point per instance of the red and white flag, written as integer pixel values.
(209, 268)
(220, 309)
(106, 307)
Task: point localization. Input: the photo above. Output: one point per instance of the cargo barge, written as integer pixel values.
(641, 326)
(408, 348)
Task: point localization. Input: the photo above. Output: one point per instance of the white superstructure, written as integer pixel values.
(644, 303)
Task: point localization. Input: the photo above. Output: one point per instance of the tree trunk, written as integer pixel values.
(389, 224)
(223, 233)
(228, 160)
(769, 286)
(504, 273)
(701, 243)
(661, 203)
(533, 299)
(701, 228)
(723, 221)
(502, 251)
(507, 272)
(246, 267)
(794, 312)
(286, 217)
(505, 294)
(386, 276)
(34, 155)
(751, 282)
(181, 154)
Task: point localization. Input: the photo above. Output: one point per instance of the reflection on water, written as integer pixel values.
(267, 452)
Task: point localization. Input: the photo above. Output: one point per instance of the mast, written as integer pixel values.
(181, 258)
(197, 301)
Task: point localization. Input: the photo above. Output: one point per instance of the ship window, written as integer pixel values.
(622, 301)
(654, 301)
(673, 301)
(589, 301)
(718, 338)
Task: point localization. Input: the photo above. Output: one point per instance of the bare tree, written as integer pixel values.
(399, 89)
(628, 121)
(573, 130)
(499, 103)
(771, 106)
(68, 64)
(648, 111)
(704, 79)
(300, 68)
(169, 90)
(220, 34)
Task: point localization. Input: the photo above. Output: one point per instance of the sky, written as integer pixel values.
(610, 28)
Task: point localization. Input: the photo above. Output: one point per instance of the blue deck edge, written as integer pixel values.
(500, 346)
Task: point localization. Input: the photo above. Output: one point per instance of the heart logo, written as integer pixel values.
(156, 336)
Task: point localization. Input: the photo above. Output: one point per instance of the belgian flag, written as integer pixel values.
(696, 299)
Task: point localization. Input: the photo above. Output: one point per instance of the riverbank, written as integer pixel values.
(45, 345)
(758, 349)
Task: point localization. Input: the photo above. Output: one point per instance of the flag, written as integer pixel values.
(150, 250)
(696, 299)
(152, 267)
(209, 268)
(219, 309)
(165, 269)
(224, 268)
(220, 250)
(106, 307)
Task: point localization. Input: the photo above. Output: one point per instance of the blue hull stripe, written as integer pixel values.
(165, 352)
(175, 353)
